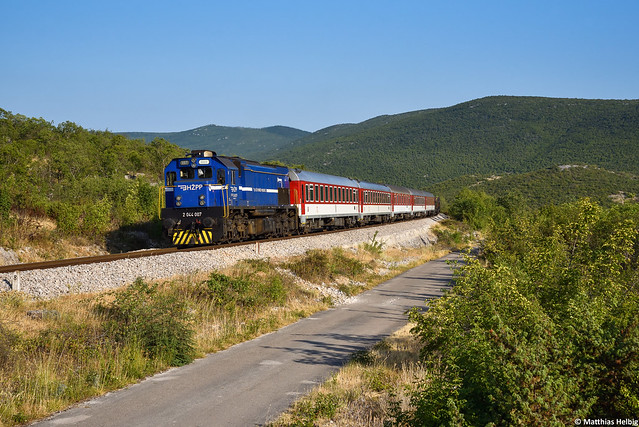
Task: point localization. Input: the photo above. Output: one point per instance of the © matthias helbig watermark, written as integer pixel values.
(606, 422)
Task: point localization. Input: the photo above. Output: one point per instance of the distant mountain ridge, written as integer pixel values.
(246, 142)
(492, 135)
(499, 134)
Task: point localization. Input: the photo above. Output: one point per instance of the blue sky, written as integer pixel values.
(169, 66)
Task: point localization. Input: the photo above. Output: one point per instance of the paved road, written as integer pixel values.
(253, 382)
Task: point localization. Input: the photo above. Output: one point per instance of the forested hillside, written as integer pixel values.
(87, 182)
(493, 135)
(554, 185)
(231, 141)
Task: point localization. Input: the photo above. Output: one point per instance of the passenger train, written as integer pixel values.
(211, 199)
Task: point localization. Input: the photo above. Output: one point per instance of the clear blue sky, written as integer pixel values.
(169, 66)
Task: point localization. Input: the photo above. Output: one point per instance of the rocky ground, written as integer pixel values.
(98, 277)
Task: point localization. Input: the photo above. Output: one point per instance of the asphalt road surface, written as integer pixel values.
(252, 383)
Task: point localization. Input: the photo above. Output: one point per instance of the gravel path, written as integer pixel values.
(98, 277)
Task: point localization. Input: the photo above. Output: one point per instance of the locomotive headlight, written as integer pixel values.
(202, 202)
(178, 203)
(178, 198)
(201, 196)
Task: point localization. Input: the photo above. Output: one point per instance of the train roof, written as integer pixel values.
(400, 190)
(372, 186)
(421, 193)
(321, 178)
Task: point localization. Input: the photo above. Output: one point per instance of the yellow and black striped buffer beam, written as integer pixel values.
(195, 237)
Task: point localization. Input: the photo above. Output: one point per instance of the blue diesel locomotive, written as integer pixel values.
(210, 198)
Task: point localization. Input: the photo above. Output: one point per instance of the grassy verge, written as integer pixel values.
(364, 391)
(56, 352)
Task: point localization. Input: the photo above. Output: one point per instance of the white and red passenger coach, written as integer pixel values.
(327, 200)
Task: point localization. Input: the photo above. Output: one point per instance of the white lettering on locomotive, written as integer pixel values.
(191, 187)
(191, 214)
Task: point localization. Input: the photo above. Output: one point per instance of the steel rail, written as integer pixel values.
(163, 251)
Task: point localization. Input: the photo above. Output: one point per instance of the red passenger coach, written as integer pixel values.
(376, 202)
(324, 200)
(403, 202)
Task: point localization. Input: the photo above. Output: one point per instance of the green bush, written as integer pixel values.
(475, 208)
(320, 266)
(231, 292)
(67, 217)
(324, 405)
(158, 322)
(97, 217)
(544, 330)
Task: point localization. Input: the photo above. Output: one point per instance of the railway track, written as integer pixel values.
(153, 252)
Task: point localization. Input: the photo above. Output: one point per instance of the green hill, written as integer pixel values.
(554, 185)
(245, 142)
(493, 135)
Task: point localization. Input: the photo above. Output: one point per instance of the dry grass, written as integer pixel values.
(35, 238)
(58, 357)
(360, 394)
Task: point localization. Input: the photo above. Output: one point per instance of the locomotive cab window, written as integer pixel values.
(170, 178)
(186, 173)
(205, 173)
(221, 176)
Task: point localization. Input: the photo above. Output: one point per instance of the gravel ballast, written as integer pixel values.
(59, 281)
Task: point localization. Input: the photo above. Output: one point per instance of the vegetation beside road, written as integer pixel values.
(54, 353)
(542, 328)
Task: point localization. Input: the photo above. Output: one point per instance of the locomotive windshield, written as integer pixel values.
(202, 173)
(205, 173)
(186, 173)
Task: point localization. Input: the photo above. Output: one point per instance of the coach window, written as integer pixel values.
(306, 193)
(311, 192)
(316, 193)
(321, 193)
